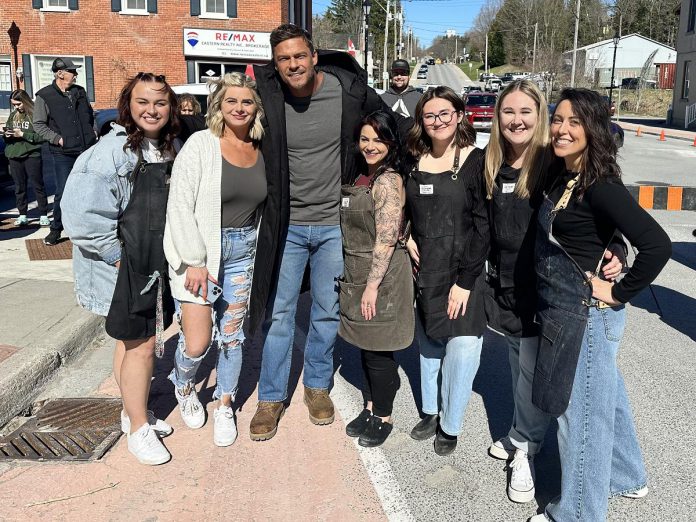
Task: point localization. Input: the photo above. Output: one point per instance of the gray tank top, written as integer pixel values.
(242, 190)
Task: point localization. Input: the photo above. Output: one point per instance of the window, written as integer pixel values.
(55, 5)
(685, 84)
(42, 74)
(214, 7)
(691, 21)
(134, 6)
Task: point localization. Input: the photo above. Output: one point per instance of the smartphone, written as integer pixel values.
(214, 291)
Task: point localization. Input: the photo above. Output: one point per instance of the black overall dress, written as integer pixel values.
(441, 225)
(142, 298)
(393, 326)
(564, 294)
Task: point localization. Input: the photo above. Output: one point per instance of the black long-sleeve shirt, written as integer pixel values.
(586, 226)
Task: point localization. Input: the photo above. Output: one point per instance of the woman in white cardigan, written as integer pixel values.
(218, 187)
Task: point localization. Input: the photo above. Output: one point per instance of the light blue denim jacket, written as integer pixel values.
(95, 195)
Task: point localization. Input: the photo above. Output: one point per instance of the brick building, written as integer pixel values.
(187, 40)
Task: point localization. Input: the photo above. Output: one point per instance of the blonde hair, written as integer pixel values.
(218, 88)
(535, 159)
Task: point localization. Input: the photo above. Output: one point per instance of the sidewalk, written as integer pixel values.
(305, 472)
(655, 130)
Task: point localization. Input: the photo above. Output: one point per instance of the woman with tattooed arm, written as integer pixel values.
(376, 291)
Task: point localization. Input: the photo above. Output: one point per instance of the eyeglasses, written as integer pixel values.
(151, 77)
(444, 116)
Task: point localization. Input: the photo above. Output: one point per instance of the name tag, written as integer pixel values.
(426, 189)
(345, 202)
(508, 188)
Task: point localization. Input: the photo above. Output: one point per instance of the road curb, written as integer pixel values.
(27, 372)
(655, 131)
(661, 197)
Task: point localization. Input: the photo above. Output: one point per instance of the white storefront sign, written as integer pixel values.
(227, 44)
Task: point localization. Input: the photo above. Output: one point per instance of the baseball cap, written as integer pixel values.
(64, 64)
(400, 65)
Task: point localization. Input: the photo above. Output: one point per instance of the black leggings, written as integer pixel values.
(381, 374)
(25, 169)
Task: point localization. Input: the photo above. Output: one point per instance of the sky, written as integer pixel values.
(429, 18)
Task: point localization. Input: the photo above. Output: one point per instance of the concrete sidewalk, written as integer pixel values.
(655, 130)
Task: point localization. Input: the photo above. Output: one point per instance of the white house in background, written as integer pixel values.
(684, 96)
(595, 60)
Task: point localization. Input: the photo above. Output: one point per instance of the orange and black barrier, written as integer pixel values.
(664, 197)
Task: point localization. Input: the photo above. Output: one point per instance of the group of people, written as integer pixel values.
(307, 169)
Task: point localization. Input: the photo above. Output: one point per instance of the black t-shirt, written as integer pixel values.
(585, 228)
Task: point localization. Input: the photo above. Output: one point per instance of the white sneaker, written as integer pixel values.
(147, 447)
(521, 486)
(21, 221)
(642, 492)
(224, 429)
(160, 427)
(191, 409)
(538, 518)
(502, 449)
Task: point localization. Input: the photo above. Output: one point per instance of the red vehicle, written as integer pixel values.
(480, 108)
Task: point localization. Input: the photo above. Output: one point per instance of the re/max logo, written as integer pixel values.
(234, 37)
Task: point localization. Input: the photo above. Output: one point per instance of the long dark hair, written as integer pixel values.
(599, 157)
(385, 126)
(135, 134)
(418, 141)
(21, 95)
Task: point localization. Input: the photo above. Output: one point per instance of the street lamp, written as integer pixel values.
(366, 9)
(613, 68)
(13, 32)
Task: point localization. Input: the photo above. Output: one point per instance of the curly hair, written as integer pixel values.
(598, 160)
(385, 126)
(135, 134)
(218, 88)
(191, 100)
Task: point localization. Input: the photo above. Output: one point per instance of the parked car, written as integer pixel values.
(430, 61)
(483, 77)
(480, 108)
(635, 83)
(467, 89)
(422, 75)
(493, 85)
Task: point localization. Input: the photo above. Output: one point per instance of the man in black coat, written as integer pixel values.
(64, 118)
(313, 102)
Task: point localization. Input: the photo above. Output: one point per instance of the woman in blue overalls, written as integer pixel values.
(582, 316)
(449, 243)
(114, 207)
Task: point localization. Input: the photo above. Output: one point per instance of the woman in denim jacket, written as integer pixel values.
(113, 210)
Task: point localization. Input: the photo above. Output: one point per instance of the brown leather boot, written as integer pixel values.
(264, 423)
(320, 406)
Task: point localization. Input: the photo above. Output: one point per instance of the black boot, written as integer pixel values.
(358, 425)
(425, 428)
(444, 444)
(376, 432)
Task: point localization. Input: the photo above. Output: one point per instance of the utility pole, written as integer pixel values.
(485, 66)
(396, 32)
(575, 45)
(536, 29)
(456, 41)
(401, 28)
(386, 39)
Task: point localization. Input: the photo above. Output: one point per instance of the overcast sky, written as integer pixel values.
(429, 18)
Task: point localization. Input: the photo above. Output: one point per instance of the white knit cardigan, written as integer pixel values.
(193, 228)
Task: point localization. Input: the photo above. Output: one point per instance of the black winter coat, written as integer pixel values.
(358, 101)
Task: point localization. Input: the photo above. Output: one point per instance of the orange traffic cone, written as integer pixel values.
(662, 136)
(694, 143)
(638, 132)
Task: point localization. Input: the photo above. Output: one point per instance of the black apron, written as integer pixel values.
(142, 305)
(393, 326)
(564, 293)
(441, 227)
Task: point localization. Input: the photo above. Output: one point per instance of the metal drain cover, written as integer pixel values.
(66, 429)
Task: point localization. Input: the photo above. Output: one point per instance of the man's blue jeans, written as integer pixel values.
(321, 246)
(600, 455)
(62, 164)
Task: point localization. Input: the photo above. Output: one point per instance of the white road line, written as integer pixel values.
(376, 464)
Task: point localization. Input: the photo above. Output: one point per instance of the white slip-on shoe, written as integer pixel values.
(225, 428)
(538, 518)
(191, 409)
(44, 221)
(147, 447)
(161, 427)
(642, 492)
(502, 449)
(521, 486)
(21, 221)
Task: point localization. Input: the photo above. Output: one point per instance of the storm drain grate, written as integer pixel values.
(67, 430)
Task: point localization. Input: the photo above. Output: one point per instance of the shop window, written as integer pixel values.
(55, 5)
(38, 74)
(134, 7)
(691, 20)
(685, 84)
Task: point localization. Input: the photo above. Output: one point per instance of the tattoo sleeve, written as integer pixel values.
(387, 195)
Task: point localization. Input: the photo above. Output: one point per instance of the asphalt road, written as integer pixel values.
(443, 74)
(645, 160)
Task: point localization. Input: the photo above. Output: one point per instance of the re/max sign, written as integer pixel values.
(234, 37)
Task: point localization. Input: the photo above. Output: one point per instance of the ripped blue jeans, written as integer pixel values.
(236, 272)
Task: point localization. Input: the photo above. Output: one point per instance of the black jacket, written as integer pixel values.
(70, 115)
(358, 100)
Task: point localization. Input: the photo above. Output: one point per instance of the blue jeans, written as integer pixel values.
(236, 271)
(600, 455)
(529, 423)
(447, 375)
(321, 246)
(63, 165)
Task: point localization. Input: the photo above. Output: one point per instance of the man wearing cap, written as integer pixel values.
(64, 118)
(400, 97)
